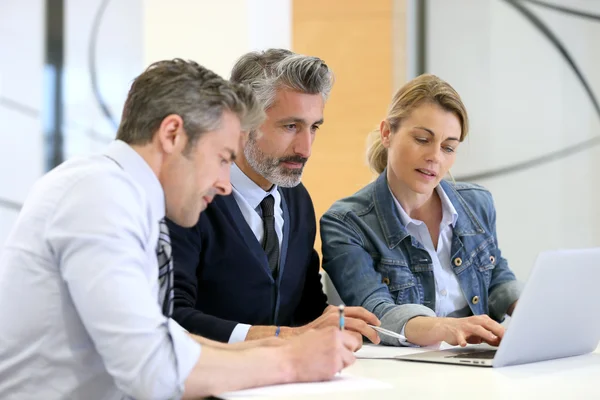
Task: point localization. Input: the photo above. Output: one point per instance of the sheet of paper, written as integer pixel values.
(372, 351)
(341, 383)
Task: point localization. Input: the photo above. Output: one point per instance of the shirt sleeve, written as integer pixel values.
(351, 269)
(99, 236)
(239, 333)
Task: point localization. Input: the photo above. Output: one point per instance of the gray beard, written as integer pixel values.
(270, 168)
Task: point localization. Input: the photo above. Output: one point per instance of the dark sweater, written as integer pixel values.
(222, 276)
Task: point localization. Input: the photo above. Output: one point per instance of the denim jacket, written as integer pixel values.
(374, 263)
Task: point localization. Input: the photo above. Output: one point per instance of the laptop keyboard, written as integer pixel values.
(485, 355)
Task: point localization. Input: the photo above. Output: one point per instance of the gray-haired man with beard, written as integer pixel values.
(248, 269)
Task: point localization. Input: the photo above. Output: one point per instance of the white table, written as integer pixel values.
(569, 378)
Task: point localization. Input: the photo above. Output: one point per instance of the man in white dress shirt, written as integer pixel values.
(86, 273)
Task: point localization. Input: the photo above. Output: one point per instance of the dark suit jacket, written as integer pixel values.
(222, 276)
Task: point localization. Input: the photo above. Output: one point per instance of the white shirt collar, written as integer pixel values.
(449, 214)
(132, 163)
(246, 187)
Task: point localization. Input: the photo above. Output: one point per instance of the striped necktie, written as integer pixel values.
(165, 269)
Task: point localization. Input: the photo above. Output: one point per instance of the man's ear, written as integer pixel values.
(171, 134)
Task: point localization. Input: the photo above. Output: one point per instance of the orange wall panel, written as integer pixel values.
(355, 38)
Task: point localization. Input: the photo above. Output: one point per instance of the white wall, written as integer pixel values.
(21, 80)
(131, 34)
(119, 58)
(524, 102)
(117, 45)
(214, 33)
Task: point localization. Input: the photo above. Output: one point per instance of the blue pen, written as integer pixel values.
(342, 322)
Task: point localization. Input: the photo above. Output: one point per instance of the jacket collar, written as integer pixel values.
(394, 231)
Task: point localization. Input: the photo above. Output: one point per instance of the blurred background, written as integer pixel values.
(528, 72)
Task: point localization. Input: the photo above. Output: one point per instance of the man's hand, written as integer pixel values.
(265, 342)
(317, 355)
(356, 320)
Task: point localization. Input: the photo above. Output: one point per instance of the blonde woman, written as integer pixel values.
(419, 252)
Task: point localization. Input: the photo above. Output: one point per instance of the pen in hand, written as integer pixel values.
(389, 333)
(342, 322)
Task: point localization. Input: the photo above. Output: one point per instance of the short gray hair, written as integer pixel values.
(198, 95)
(267, 71)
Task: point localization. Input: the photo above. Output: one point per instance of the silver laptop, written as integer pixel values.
(558, 315)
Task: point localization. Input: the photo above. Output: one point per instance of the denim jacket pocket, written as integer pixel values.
(485, 262)
(400, 281)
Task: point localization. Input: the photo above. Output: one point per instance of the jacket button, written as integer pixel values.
(386, 280)
(493, 259)
(457, 261)
(475, 299)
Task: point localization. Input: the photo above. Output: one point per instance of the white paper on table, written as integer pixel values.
(381, 352)
(340, 383)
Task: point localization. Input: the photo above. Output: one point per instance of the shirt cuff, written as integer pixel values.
(239, 333)
(187, 352)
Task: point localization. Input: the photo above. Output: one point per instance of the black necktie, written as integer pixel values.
(165, 269)
(270, 242)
